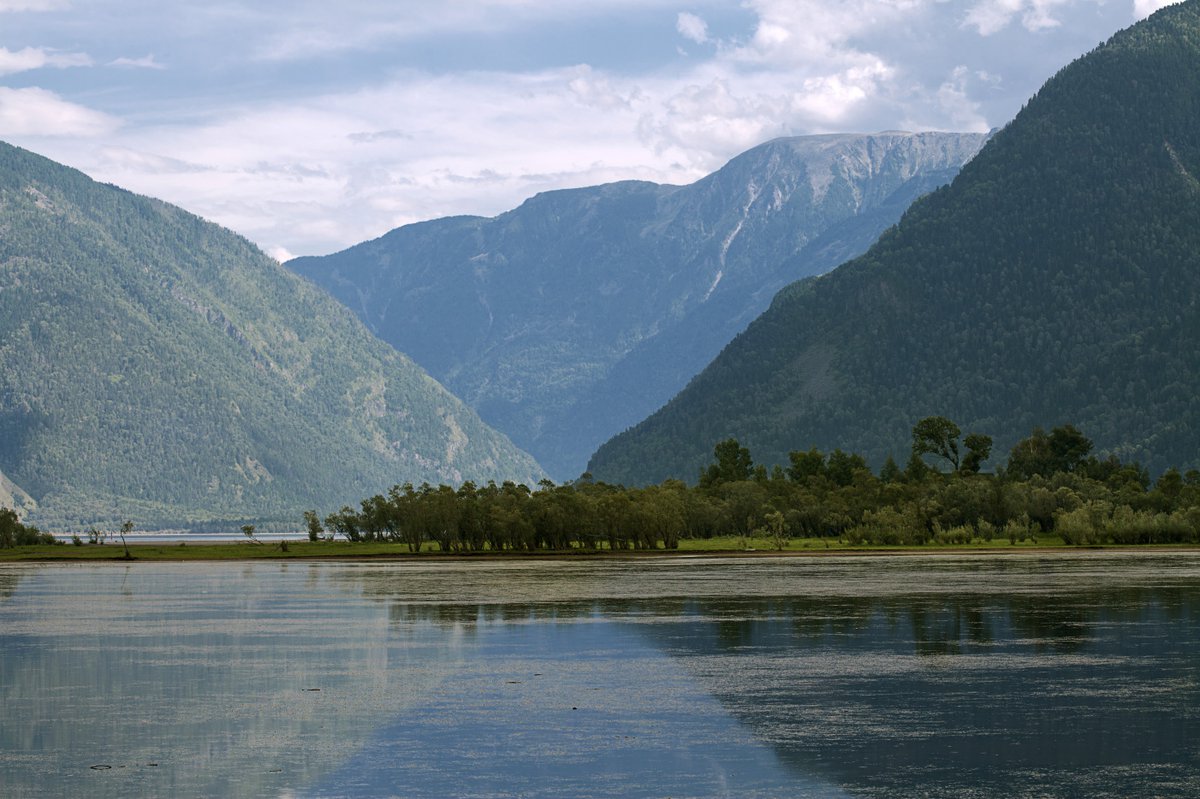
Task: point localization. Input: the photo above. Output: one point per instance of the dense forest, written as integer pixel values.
(1051, 483)
(158, 367)
(1057, 278)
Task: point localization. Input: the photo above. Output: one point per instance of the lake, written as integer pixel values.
(942, 676)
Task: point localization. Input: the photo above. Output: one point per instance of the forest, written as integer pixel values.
(1051, 483)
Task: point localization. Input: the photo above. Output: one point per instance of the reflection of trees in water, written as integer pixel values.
(931, 625)
(1086, 694)
(1049, 683)
(8, 583)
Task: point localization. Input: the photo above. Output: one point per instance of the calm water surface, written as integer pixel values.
(1069, 675)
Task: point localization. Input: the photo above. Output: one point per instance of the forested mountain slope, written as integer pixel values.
(158, 368)
(573, 316)
(1055, 280)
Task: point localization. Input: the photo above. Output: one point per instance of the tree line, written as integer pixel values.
(1051, 483)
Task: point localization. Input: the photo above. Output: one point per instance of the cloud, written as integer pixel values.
(596, 90)
(304, 159)
(1144, 8)
(130, 160)
(309, 30)
(32, 5)
(38, 112)
(145, 62)
(281, 254)
(371, 136)
(991, 16)
(817, 32)
(31, 58)
(955, 100)
(692, 27)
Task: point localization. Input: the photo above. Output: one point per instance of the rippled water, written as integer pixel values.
(1067, 675)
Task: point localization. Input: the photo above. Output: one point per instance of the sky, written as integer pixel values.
(309, 126)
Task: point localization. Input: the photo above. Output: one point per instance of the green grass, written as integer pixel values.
(269, 550)
(738, 544)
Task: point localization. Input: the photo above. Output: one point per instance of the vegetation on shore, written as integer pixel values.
(1051, 485)
(1051, 492)
(335, 550)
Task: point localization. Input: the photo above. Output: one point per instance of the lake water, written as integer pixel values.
(1066, 675)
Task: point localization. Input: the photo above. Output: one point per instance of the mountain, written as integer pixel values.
(157, 367)
(1056, 280)
(572, 317)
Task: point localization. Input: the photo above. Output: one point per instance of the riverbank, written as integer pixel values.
(344, 550)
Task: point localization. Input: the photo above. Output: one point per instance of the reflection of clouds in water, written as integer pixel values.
(204, 669)
(567, 710)
(803, 672)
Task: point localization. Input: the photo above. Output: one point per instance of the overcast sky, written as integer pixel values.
(310, 125)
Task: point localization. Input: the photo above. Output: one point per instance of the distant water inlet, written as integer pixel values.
(1067, 675)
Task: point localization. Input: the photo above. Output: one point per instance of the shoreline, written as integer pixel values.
(240, 552)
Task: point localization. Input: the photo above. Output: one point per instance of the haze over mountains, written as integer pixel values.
(1056, 280)
(573, 316)
(159, 368)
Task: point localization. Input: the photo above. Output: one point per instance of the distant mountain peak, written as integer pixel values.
(570, 317)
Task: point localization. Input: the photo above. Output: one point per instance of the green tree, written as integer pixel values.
(890, 472)
(247, 530)
(126, 529)
(936, 435)
(313, 523)
(979, 449)
(1064, 449)
(733, 464)
(805, 465)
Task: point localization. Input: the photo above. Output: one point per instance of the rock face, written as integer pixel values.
(573, 316)
(158, 368)
(1056, 280)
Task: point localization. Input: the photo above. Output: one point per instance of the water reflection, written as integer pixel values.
(1003, 678)
(773, 677)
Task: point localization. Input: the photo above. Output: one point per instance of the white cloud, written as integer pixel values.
(595, 90)
(38, 112)
(992, 16)
(1144, 8)
(145, 62)
(281, 254)
(30, 58)
(817, 32)
(306, 170)
(692, 27)
(956, 102)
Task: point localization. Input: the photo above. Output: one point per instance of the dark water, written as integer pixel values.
(1060, 676)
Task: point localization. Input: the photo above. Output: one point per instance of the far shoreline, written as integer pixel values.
(242, 552)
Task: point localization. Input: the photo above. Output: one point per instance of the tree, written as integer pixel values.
(733, 464)
(979, 449)
(805, 465)
(1064, 449)
(774, 529)
(916, 469)
(313, 523)
(890, 473)
(843, 466)
(936, 435)
(247, 530)
(126, 529)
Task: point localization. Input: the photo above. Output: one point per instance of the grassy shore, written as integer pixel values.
(305, 550)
